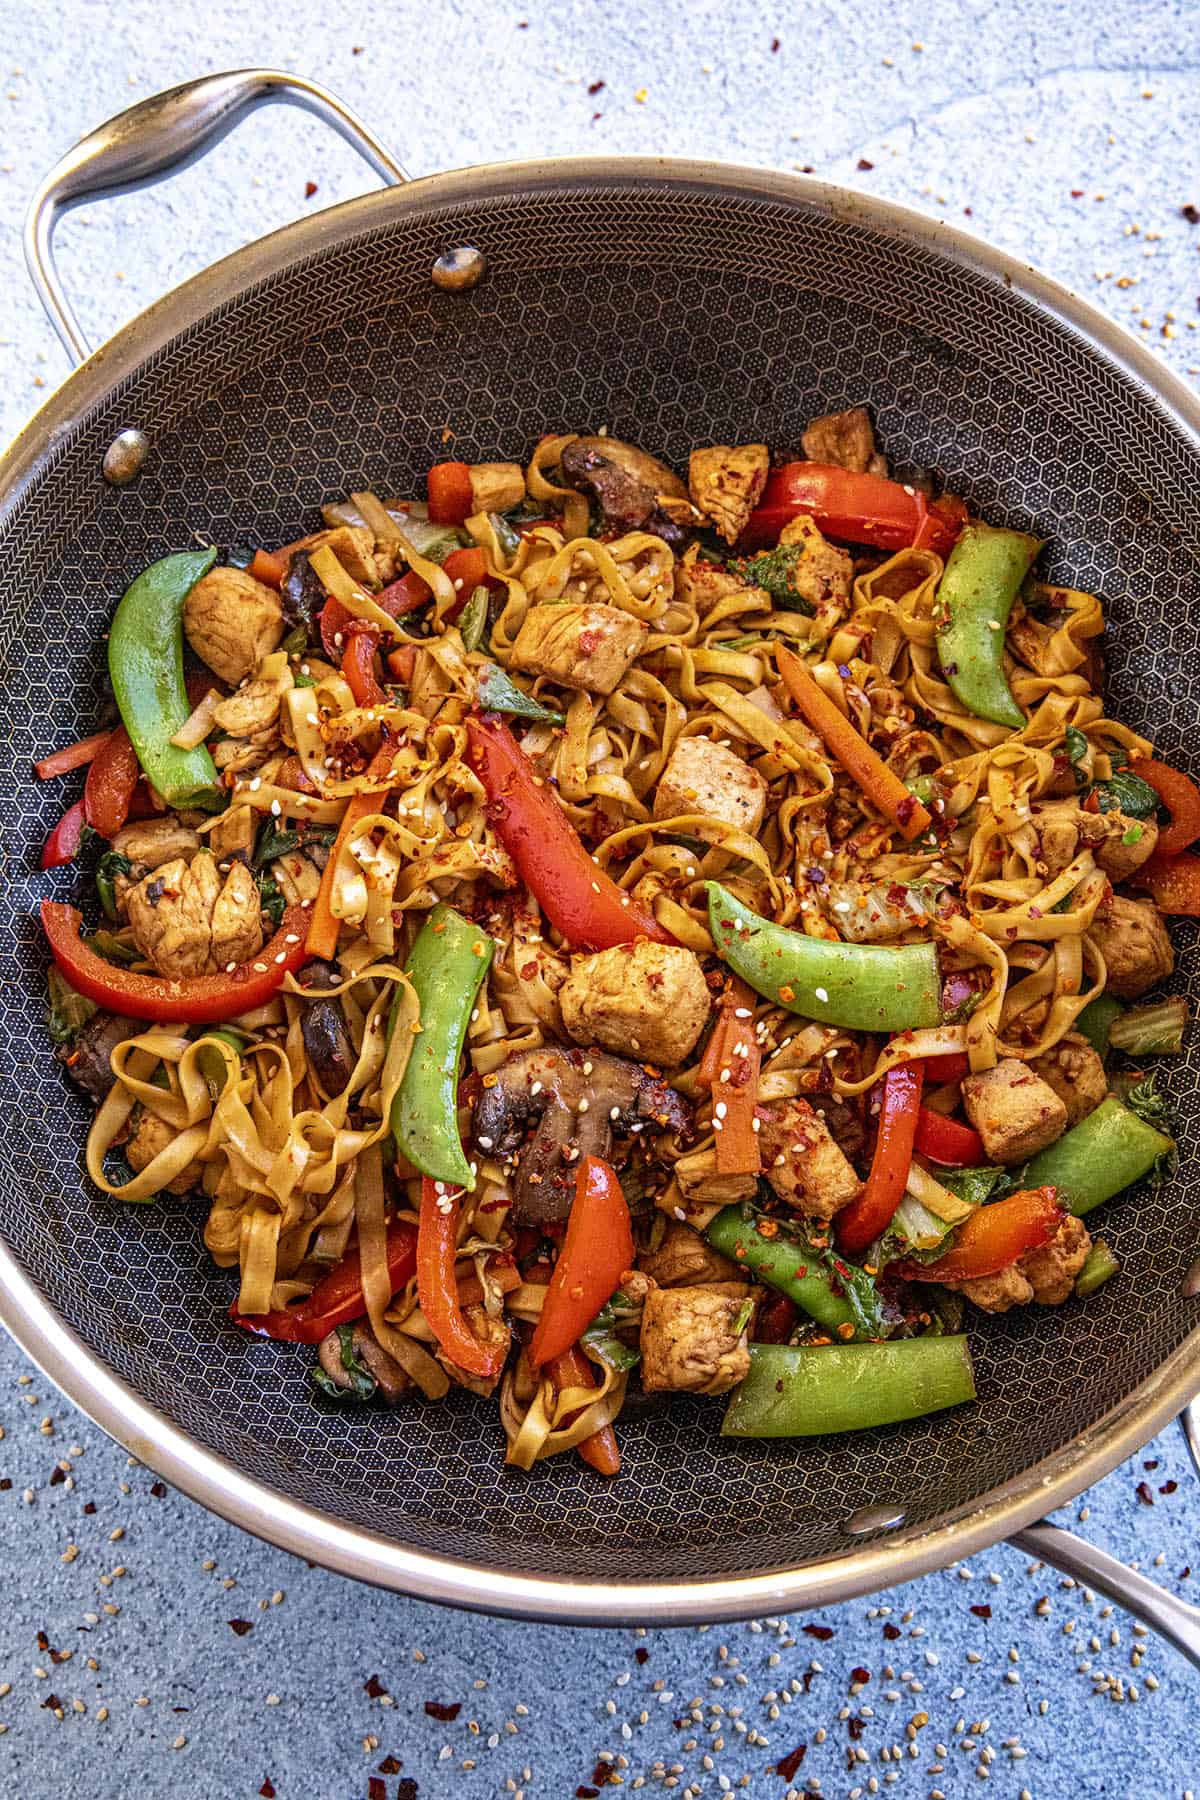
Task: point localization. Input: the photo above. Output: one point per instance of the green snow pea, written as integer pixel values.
(799, 1391)
(983, 573)
(449, 961)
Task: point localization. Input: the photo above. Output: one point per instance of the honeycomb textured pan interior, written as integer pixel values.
(673, 317)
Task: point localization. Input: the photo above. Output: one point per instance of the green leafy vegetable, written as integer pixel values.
(272, 842)
(915, 1234)
(362, 1383)
(975, 1186)
(1124, 791)
(296, 641)
(1145, 1100)
(1077, 750)
(1155, 1030)
(498, 694)
(1101, 1266)
(473, 623)
(434, 542)
(112, 948)
(601, 1334)
(962, 1012)
(854, 1285)
(272, 899)
(111, 864)
(775, 570)
(508, 538)
(68, 1012)
(1096, 1021)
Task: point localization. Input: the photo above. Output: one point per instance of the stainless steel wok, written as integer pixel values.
(673, 302)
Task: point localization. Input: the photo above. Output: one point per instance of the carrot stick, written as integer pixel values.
(881, 785)
(323, 932)
(600, 1452)
(61, 762)
(735, 1084)
(269, 566)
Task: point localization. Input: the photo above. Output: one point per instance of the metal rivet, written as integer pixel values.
(1191, 1281)
(873, 1518)
(457, 270)
(124, 457)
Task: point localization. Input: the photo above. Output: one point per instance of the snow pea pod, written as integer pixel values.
(799, 1273)
(145, 665)
(975, 596)
(1109, 1150)
(861, 987)
(803, 1391)
(449, 961)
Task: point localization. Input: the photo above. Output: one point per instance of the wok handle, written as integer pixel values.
(1172, 1618)
(154, 138)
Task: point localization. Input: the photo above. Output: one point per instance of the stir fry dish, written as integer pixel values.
(589, 935)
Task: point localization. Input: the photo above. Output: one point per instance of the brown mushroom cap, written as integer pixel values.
(661, 481)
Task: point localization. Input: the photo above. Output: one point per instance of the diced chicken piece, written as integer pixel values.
(188, 920)
(695, 1339)
(802, 1162)
(232, 621)
(1051, 1271)
(726, 483)
(1076, 1074)
(354, 547)
(706, 778)
(1133, 941)
(496, 486)
(234, 832)
(151, 842)
(998, 1293)
(490, 1332)
(1119, 844)
(845, 439)
(683, 1259)
(251, 712)
(704, 583)
(298, 876)
(644, 1000)
(823, 575)
(1014, 1111)
(151, 1136)
(700, 1186)
(867, 914)
(585, 647)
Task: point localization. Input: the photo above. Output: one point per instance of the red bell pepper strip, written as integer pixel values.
(71, 756)
(953, 1066)
(776, 1320)
(402, 663)
(114, 774)
(450, 496)
(948, 1142)
(866, 1218)
(1174, 882)
(323, 931)
(467, 569)
(358, 666)
(576, 895)
(338, 1297)
(399, 597)
(437, 1291)
(597, 1250)
(199, 999)
(62, 846)
(854, 508)
(992, 1238)
(600, 1452)
(1181, 797)
(730, 1068)
(269, 566)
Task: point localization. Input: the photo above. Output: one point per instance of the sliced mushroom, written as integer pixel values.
(391, 1379)
(87, 1059)
(326, 1040)
(302, 594)
(627, 501)
(578, 1100)
(647, 469)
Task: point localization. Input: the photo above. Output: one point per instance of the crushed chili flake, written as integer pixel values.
(1151, 1465)
(583, 1792)
(240, 1626)
(376, 1788)
(860, 1675)
(57, 1475)
(43, 1642)
(774, 46)
(437, 1709)
(267, 1790)
(1143, 1493)
(406, 1789)
(90, 1508)
(641, 1654)
(856, 1727)
(391, 1765)
(1190, 213)
(891, 1632)
(158, 1489)
(374, 1687)
(982, 1612)
(51, 1703)
(604, 1774)
(822, 1632)
(864, 164)
(594, 87)
(5, 1484)
(310, 188)
(787, 1765)
(1168, 1487)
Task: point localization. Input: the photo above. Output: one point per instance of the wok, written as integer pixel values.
(675, 303)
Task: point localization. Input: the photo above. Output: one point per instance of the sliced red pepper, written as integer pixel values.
(948, 1142)
(776, 1320)
(467, 569)
(993, 1238)
(114, 773)
(402, 663)
(71, 756)
(200, 999)
(450, 496)
(406, 595)
(576, 895)
(62, 846)
(437, 1245)
(358, 666)
(731, 1064)
(1173, 881)
(866, 1218)
(596, 1252)
(854, 508)
(269, 566)
(953, 1066)
(1181, 797)
(337, 1298)
(600, 1452)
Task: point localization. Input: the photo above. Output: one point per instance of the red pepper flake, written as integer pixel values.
(1190, 214)
(439, 1710)
(5, 1484)
(90, 1508)
(52, 1703)
(376, 1788)
(862, 1676)
(1143, 1493)
(982, 1612)
(1185, 1572)
(240, 1626)
(57, 1475)
(1151, 1465)
(43, 1642)
(583, 1792)
(891, 1632)
(1077, 193)
(604, 1775)
(310, 188)
(594, 87)
(158, 1489)
(856, 1727)
(1168, 1487)
(406, 1789)
(864, 164)
(391, 1765)
(822, 1633)
(774, 46)
(787, 1765)
(267, 1790)
(374, 1687)
(641, 1654)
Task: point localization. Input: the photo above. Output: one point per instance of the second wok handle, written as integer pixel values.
(1173, 1619)
(156, 137)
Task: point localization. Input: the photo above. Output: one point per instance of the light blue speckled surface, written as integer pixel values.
(1064, 132)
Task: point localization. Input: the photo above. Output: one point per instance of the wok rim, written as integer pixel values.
(205, 1476)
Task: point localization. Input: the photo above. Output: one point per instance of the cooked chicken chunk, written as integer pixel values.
(726, 483)
(706, 778)
(846, 440)
(189, 920)
(1119, 844)
(694, 1339)
(490, 1332)
(496, 486)
(700, 1186)
(648, 1001)
(683, 1259)
(1051, 1271)
(234, 832)
(586, 647)
(1014, 1111)
(251, 712)
(232, 621)
(802, 1162)
(998, 1293)
(704, 583)
(1133, 941)
(823, 575)
(354, 547)
(151, 842)
(1076, 1074)
(152, 1135)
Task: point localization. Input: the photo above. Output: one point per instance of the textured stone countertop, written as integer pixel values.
(147, 1648)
